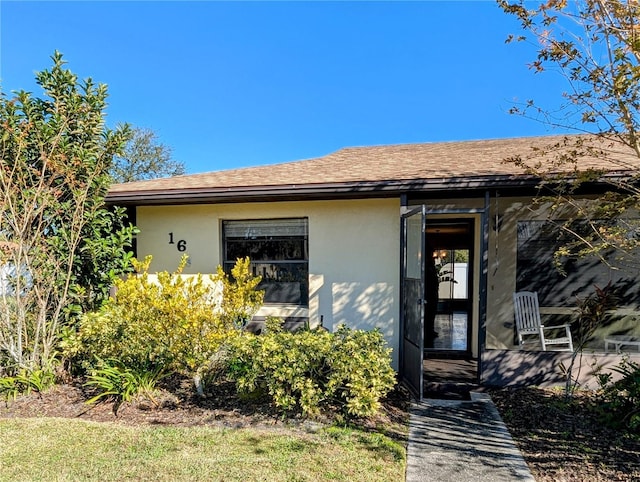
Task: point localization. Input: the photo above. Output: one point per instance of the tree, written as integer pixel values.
(145, 158)
(54, 226)
(595, 46)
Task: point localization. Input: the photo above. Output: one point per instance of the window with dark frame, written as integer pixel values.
(279, 253)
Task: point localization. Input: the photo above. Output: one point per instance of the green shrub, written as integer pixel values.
(361, 370)
(175, 323)
(120, 384)
(112, 333)
(240, 296)
(314, 370)
(39, 380)
(620, 400)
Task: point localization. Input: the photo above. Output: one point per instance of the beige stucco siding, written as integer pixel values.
(196, 225)
(501, 276)
(354, 252)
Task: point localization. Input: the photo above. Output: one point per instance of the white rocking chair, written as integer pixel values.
(530, 328)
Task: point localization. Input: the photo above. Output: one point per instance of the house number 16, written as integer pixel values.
(181, 244)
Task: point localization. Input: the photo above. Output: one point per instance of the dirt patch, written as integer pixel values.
(567, 441)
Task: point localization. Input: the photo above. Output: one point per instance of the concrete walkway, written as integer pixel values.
(462, 441)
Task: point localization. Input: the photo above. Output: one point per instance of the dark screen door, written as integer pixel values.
(412, 313)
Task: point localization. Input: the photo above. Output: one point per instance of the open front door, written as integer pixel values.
(412, 313)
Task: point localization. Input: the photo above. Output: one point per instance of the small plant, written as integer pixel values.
(620, 399)
(119, 384)
(25, 382)
(240, 296)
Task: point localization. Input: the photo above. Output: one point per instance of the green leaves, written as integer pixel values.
(143, 157)
(169, 321)
(620, 399)
(26, 381)
(66, 247)
(120, 384)
(313, 370)
(241, 298)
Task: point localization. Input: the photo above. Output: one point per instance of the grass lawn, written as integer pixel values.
(70, 449)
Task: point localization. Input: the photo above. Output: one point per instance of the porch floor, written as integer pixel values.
(449, 378)
(441, 370)
(448, 369)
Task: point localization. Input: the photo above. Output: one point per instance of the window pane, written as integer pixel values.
(278, 250)
(537, 269)
(261, 228)
(281, 282)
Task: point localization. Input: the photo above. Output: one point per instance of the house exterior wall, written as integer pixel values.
(503, 271)
(354, 267)
(501, 262)
(354, 251)
(501, 274)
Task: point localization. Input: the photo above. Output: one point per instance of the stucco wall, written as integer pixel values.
(354, 252)
(525, 368)
(501, 275)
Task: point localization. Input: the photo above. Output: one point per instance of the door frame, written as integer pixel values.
(480, 290)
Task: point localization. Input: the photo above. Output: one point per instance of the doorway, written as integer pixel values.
(449, 257)
(440, 297)
(448, 324)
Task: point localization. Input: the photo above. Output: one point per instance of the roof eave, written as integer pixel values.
(317, 191)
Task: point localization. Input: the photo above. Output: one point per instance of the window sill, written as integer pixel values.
(283, 310)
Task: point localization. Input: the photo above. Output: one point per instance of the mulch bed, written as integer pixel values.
(177, 405)
(69, 401)
(567, 441)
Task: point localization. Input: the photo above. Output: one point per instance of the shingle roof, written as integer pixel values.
(371, 168)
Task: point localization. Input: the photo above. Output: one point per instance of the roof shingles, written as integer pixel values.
(446, 161)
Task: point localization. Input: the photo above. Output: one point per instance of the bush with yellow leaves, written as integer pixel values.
(314, 371)
(173, 322)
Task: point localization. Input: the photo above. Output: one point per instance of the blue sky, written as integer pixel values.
(235, 84)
